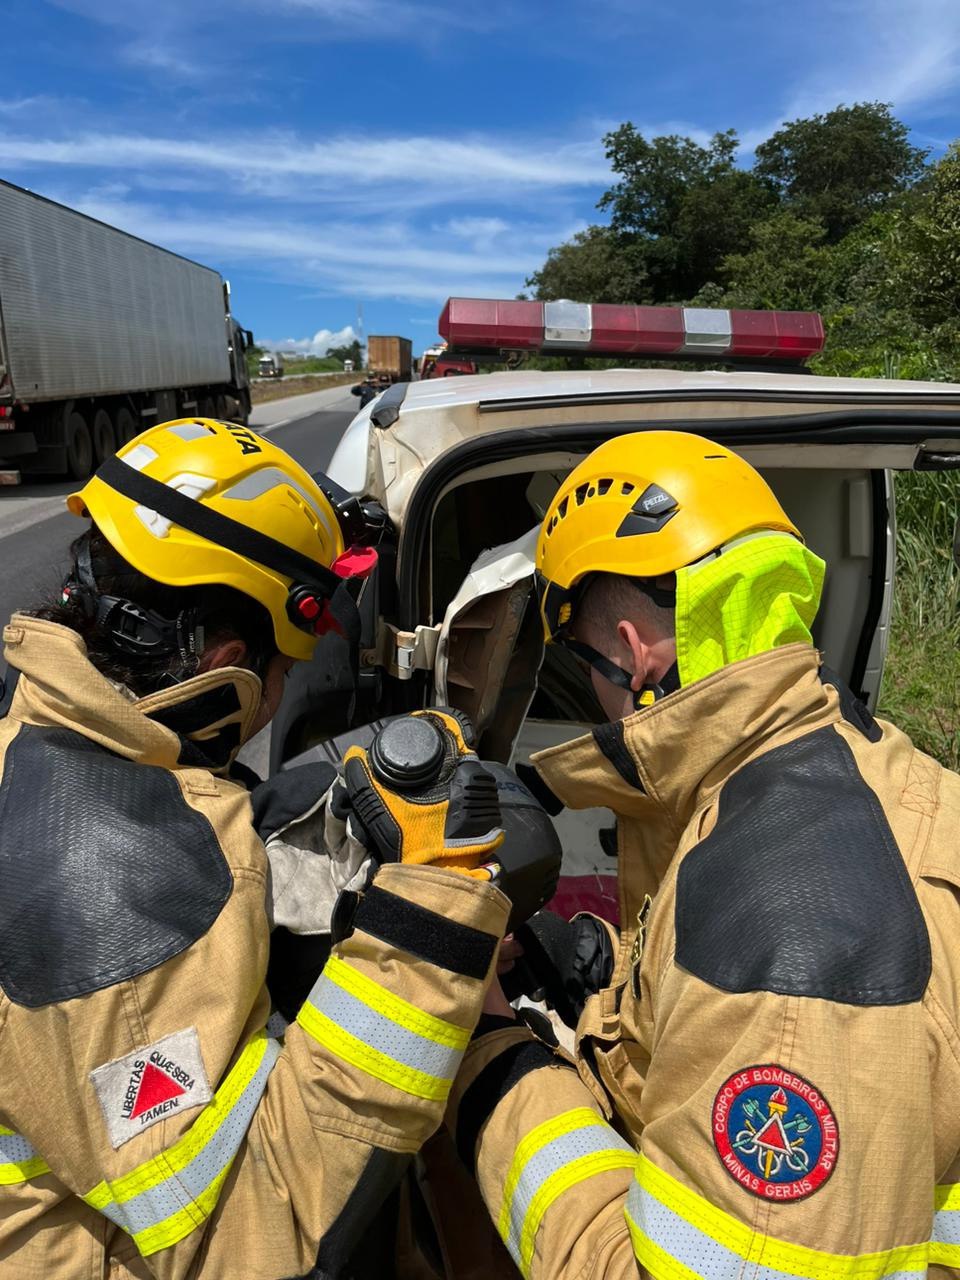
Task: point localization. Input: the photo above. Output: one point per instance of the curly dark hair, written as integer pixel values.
(224, 614)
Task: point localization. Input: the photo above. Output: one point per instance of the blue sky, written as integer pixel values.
(328, 153)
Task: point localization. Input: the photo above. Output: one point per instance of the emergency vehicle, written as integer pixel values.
(452, 477)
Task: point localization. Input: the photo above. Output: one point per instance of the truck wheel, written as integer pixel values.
(79, 447)
(104, 439)
(220, 408)
(126, 426)
(207, 408)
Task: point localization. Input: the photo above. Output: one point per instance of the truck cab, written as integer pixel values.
(270, 366)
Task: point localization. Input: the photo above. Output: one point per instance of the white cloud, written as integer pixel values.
(318, 345)
(906, 52)
(445, 167)
(355, 259)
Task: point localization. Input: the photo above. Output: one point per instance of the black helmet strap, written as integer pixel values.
(131, 628)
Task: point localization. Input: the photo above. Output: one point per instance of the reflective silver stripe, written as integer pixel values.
(180, 1190)
(587, 1141)
(188, 431)
(946, 1227)
(267, 478)
(382, 1033)
(15, 1149)
(710, 1259)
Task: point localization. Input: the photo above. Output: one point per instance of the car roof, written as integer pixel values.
(420, 421)
(533, 384)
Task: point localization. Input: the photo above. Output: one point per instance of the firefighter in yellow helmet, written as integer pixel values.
(766, 1067)
(149, 1124)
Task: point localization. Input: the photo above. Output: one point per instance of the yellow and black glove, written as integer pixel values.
(422, 796)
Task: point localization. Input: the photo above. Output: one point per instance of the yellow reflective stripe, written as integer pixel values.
(19, 1161)
(373, 1061)
(168, 1196)
(394, 1007)
(159, 1167)
(945, 1244)
(655, 1259)
(22, 1171)
(566, 1177)
(179, 1225)
(750, 1246)
(530, 1144)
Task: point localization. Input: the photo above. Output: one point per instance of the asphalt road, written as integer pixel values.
(35, 531)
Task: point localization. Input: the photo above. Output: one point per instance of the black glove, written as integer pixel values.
(562, 963)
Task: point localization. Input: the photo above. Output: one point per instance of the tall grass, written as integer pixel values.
(921, 683)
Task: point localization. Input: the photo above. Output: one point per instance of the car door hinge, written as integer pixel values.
(403, 652)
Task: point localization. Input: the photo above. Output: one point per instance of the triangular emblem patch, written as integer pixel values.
(155, 1087)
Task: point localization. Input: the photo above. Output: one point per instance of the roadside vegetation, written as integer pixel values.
(281, 388)
(841, 214)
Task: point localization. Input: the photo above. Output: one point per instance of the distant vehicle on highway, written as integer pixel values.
(348, 366)
(390, 357)
(437, 362)
(271, 365)
(102, 335)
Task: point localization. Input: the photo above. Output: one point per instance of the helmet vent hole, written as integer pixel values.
(591, 492)
(581, 495)
(562, 509)
(603, 486)
(626, 488)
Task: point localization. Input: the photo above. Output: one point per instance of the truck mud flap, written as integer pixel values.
(16, 444)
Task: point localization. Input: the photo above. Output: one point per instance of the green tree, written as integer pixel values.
(842, 166)
(597, 265)
(786, 267)
(352, 351)
(930, 265)
(685, 205)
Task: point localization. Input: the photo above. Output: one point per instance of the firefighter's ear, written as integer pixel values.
(224, 653)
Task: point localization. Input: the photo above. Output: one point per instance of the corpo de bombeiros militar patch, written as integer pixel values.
(775, 1133)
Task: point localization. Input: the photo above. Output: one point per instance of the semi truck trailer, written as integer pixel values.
(390, 357)
(101, 336)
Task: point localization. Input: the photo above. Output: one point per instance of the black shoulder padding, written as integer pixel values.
(852, 709)
(289, 795)
(105, 870)
(612, 741)
(800, 889)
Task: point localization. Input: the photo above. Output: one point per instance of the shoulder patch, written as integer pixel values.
(801, 889)
(106, 871)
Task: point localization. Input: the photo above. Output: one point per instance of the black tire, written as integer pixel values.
(79, 446)
(126, 426)
(207, 408)
(220, 408)
(104, 436)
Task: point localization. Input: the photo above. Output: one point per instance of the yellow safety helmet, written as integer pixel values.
(645, 505)
(196, 502)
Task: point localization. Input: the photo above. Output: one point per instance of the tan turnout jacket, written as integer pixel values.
(148, 1124)
(770, 1086)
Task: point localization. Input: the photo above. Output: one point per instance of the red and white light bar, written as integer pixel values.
(605, 330)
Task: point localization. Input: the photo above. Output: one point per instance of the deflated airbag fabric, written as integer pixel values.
(107, 872)
(800, 888)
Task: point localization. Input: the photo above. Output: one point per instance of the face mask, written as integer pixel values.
(759, 593)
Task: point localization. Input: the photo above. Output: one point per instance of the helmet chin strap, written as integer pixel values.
(131, 628)
(646, 695)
